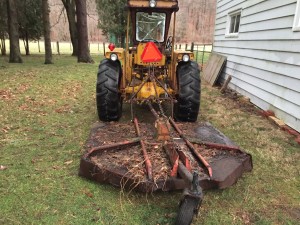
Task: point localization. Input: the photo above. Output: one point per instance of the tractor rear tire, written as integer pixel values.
(188, 98)
(108, 96)
(187, 209)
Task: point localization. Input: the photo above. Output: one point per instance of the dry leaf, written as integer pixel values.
(89, 194)
(68, 162)
(3, 167)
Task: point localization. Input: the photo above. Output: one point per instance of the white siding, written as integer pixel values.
(264, 60)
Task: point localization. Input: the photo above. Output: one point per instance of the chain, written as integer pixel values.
(161, 110)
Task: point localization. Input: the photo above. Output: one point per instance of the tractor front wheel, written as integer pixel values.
(108, 96)
(188, 98)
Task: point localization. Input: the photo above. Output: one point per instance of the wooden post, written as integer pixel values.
(104, 48)
(225, 85)
(179, 46)
(186, 46)
(203, 57)
(57, 46)
(192, 47)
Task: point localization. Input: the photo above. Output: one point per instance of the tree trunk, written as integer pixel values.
(47, 40)
(39, 46)
(13, 32)
(71, 14)
(3, 46)
(83, 47)
(27, 43)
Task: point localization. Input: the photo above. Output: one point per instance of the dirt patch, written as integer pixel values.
(7, 95)
(240, 102)
(293, 212)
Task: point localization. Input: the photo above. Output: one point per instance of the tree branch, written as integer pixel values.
(55, 4)
(60, 14)
(90, 16)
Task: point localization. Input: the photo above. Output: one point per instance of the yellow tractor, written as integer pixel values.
(151, 69)
(179, 156)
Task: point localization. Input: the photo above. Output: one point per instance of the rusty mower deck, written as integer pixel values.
(129, 155)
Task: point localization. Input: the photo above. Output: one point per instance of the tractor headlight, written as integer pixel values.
(152, 3)
(113, 56)
(185, 58)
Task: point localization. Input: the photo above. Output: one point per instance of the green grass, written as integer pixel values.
(201, 52)
(45, 118)
(201, 58)
(64, 47)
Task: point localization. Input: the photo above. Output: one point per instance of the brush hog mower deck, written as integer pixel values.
(141, 162)
(188, 156)
(163, 155)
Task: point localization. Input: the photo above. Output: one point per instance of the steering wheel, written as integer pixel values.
(169, 42)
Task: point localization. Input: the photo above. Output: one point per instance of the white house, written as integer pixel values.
(261, 39)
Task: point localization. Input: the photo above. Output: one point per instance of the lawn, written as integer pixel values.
(64, 47)
(45, 118)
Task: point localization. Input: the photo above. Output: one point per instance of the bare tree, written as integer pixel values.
(13, 32)
(46, 22)
(71, 15)
(83, 46)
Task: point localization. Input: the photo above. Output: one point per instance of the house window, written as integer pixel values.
(233, 23)
(296, 25)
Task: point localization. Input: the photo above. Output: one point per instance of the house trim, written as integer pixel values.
(296, 24)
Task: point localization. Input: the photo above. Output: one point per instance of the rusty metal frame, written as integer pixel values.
(145, 154)
(111, 146)
(192, 148)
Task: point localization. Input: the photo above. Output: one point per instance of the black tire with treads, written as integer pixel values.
(188, 98)
(187, 209)
(108, 96)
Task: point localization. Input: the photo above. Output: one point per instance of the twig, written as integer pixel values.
(61, 12)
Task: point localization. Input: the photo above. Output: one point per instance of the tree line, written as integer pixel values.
(29, 20)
